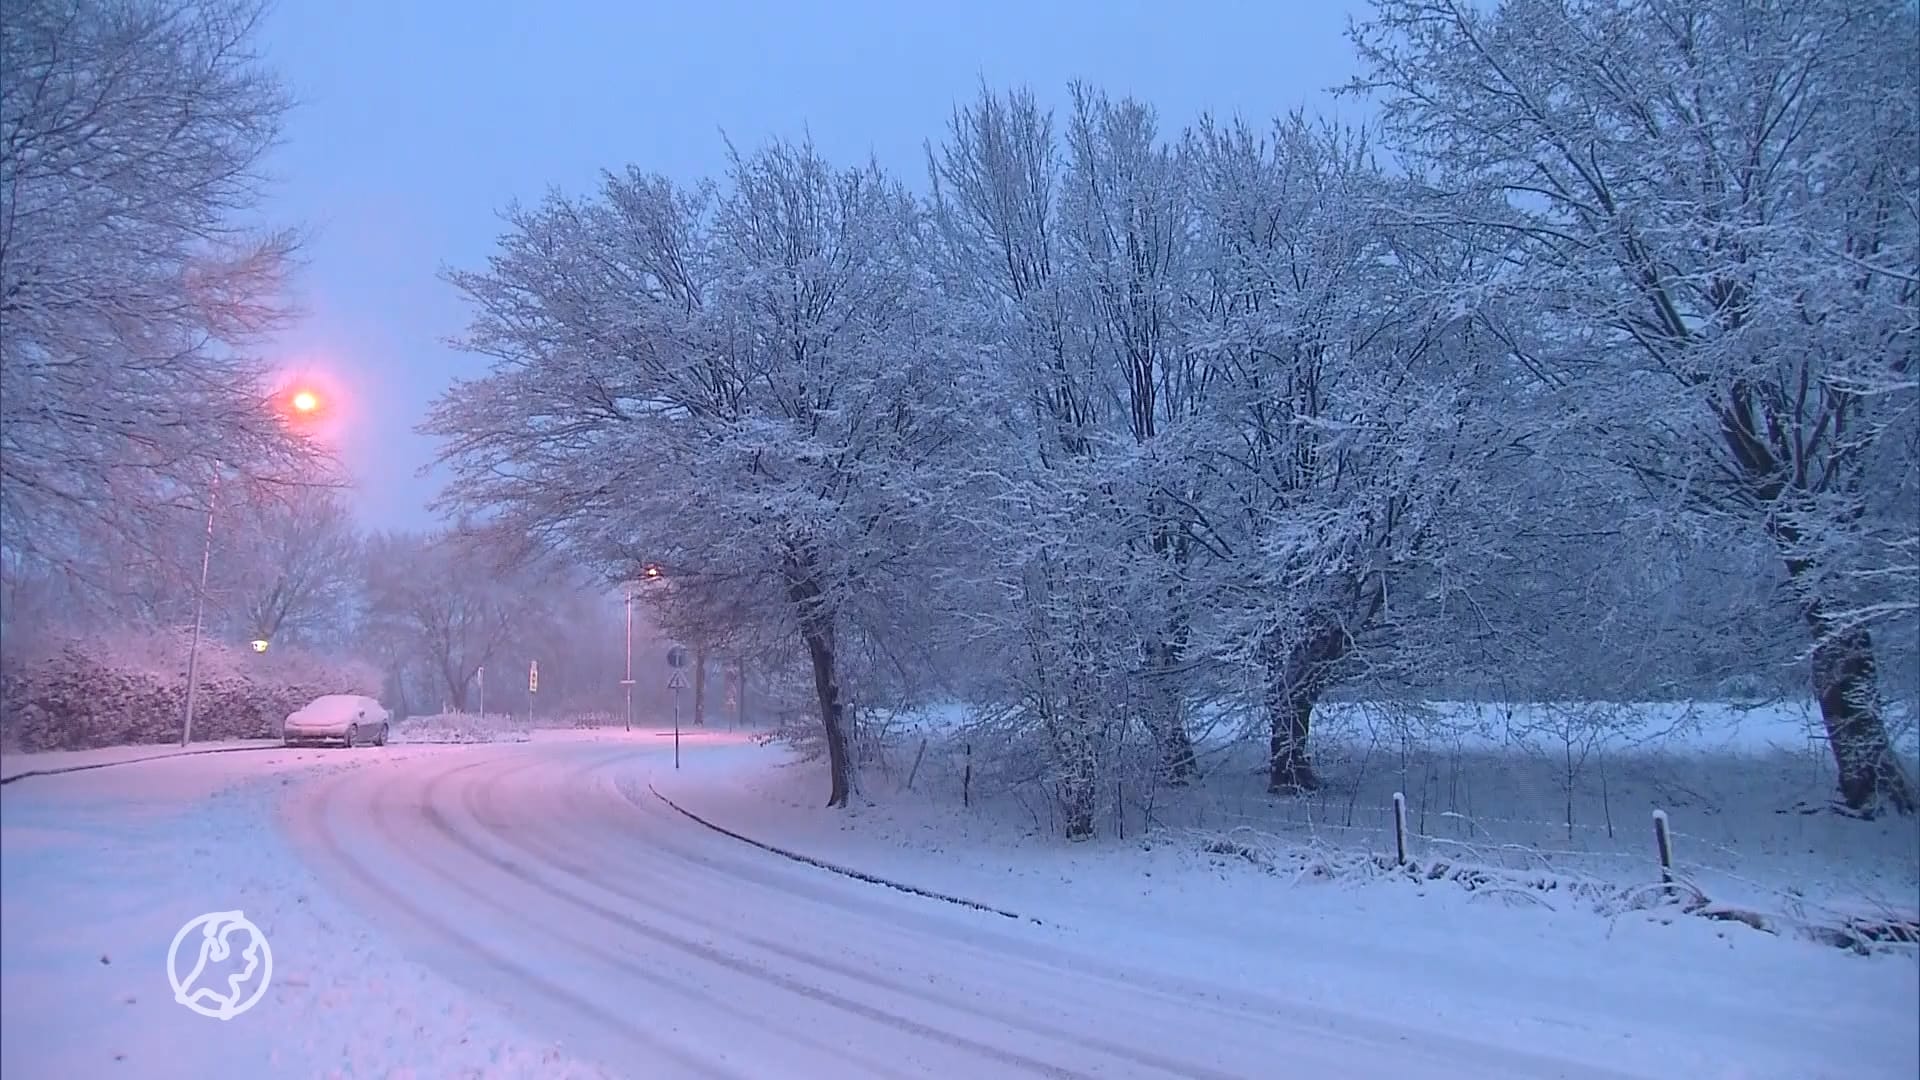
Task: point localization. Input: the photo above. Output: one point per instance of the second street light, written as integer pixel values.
(627, 683)
(649, 573)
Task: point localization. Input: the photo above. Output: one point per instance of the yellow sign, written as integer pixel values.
(259, 644)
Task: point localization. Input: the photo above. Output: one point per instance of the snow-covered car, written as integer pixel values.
(349, 719)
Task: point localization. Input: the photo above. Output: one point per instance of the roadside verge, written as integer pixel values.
(55, 762)
(844, 871)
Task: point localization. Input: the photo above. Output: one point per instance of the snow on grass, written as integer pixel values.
(17, 764)
(461, 728)
(1674, 990)
(99, 869)
(1547, 796)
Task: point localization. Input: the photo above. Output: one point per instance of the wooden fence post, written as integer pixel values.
(1399, 829)
(966, 781)
(1664, 841)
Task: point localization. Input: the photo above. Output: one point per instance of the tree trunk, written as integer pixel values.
(827, 688)
(699, 686)
(1290, 719)
(1846, 684)
(1297, 674)
(457, 692)
(1167, 713)
(1078, 796)
(816, 630)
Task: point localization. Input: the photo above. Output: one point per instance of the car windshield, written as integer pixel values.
(333, 706)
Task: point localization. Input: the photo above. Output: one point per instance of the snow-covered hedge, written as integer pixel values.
(461, 728)
(131, 688)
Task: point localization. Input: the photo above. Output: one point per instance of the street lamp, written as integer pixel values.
(305, 403)
(649, 573)
(627, 683)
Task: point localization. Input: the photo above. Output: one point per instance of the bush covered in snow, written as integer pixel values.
(461, 728)
(129, 688)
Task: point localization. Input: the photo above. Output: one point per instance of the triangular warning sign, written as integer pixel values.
(677, 681)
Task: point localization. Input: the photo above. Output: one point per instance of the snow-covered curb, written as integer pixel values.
(845, 871)
(55, 762)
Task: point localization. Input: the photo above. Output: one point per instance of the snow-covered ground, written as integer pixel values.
(532, 909)
(462, 728)
(13, 765)
(1557, 796)
(98, 870)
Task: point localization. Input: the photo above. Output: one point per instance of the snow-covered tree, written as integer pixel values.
(133, 277)
(1067, 268)
(288, 568)
(1128, 225)
(1710, 203)
(1349, 425)
(749, 386)
(448, 604)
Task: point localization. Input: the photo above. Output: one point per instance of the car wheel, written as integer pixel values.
(353, 736)
(381, 740)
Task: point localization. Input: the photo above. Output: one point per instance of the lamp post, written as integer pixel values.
(199, 615)
(303, 402)
(627, 683)
(651, 572)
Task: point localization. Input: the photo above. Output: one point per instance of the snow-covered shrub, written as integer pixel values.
(131, 687)
(462, 728)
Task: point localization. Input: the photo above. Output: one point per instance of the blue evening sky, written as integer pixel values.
(418, 120)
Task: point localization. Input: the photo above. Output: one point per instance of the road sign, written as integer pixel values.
(677, 681)
(677, 656)
(533, 676)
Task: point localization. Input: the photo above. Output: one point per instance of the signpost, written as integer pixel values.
(480, 673)
(533, 687)
(676, 682)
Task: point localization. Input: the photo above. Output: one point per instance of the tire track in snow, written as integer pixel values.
(678, 989)
(336, 852)
(718, 958)
(628, 962)
(483, 799)
(501, 805)
(1314, 1024)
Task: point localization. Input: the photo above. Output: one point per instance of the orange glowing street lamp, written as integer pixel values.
(304, 402)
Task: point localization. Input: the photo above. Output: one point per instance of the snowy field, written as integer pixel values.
(534, 909)
(1556, 802)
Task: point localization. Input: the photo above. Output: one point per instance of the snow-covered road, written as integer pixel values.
(554, 885)
(532, 909)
